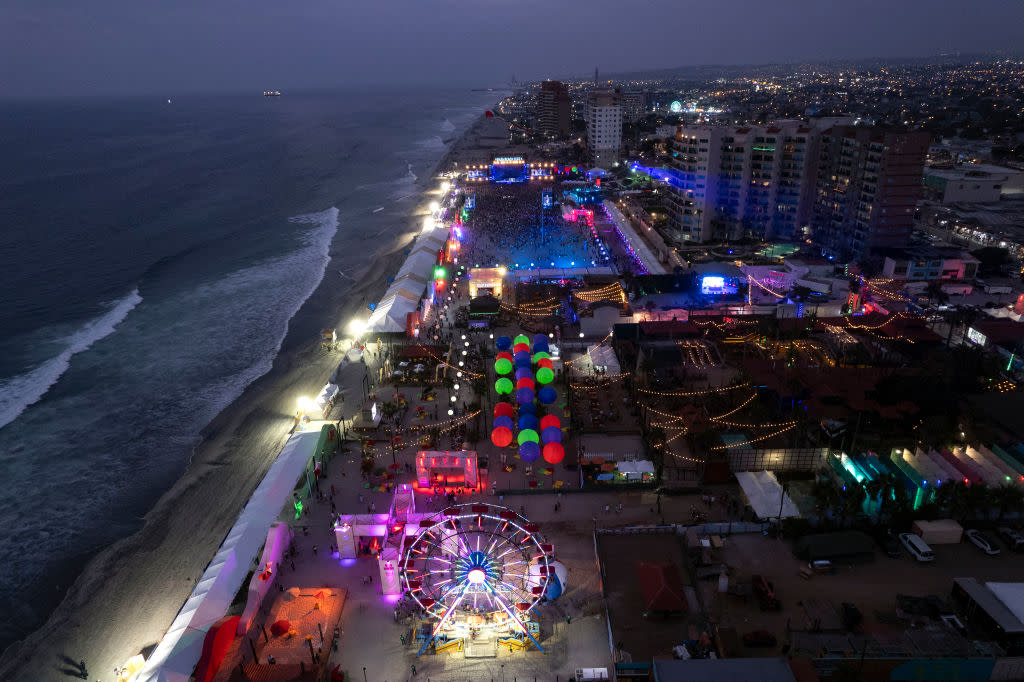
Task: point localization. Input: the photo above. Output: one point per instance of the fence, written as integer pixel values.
(777, 459)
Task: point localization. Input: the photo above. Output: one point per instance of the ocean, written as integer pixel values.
(152, 253)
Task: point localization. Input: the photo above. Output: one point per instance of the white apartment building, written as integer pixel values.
(744, 181)
(604, 126)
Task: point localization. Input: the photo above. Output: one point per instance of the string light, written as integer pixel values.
(684, 394)
(737, 409)
(752, 426)
(753, 440)
(589, 351)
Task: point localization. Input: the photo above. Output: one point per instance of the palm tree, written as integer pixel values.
(883, 490)
(1006, 498)
(852, 502)
(826, 497)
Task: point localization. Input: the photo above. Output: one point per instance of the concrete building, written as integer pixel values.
(633, 106)
(604, 125)
(867, 184)
(974, 182)
(554, 109)
(929, 263)
(734, 182)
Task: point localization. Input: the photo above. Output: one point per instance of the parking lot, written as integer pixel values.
(872, 587)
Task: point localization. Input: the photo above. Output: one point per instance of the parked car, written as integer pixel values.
(1013, 539)
(982, 542)
(887, 541)
(759, 638)
(917, 547)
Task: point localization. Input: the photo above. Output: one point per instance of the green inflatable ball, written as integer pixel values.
(527, 435)
(545, 375)
(522, 338)
(503, 386)
(503, 366)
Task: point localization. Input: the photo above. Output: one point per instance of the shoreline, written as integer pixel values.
(100, 619)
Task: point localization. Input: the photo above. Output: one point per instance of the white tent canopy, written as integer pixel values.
(389, 316)
(177, 654)
(764, 494)
(604, 356)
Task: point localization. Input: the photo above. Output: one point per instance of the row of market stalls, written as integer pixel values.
(413, 282)
(923, 471)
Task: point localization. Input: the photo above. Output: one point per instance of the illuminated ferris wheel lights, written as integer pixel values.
(476, 577)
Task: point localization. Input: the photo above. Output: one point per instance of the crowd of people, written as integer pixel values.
(508, 227)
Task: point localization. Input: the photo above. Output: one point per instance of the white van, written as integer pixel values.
(917, 547)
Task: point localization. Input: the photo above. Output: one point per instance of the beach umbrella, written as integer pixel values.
(551, 434)
(503, 343)
(525, 382)
(503, 386)
(529, 452)
(502, 365)
(527, 435)
(528, 408)
(504, 410)
(553, 453)
(501, 436)
(546, 362)
(547, 395)
(505, 421)
(524, 395)
(527, 421)
(550, 420)
(523, 373)
(545, 375)
(541, 355)
(521, 348)
(522, 338)
(280, 627)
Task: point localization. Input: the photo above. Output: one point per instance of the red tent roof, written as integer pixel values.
(662, 588)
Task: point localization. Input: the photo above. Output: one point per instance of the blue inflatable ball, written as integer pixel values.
(523, 373)
(539, 338)
(503, 343)
(552, 434)
(529, 451)
(522, 359)
(547, 395)
(504, 421)
(528, 408)
(527, 421)
(524, 396)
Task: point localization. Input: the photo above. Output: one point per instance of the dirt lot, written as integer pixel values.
(642, 638)
(871, 587)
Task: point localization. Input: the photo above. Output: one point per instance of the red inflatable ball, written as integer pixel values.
(520, 347)
(503, 354)
(550, 420)
(501, 436)
(503, 410)
(545, 362)
(526, 382)
(553, 453)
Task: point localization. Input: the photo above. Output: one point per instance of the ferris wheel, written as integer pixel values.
(477, 558)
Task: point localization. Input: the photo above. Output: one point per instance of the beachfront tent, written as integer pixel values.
(390, 314)
(661, 587)
(764, 494)
(176, 655)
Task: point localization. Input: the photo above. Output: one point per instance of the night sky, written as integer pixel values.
(55, 47)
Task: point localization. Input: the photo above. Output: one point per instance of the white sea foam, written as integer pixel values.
(434, 143)
(447, 126)
(18, 392)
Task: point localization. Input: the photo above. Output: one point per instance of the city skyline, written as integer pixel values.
(123, 48)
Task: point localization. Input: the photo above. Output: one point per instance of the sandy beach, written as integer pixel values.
(128, 594)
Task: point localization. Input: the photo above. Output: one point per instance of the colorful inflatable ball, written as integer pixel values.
(527, 436)
(553, 453)
(529, 452)
(501, 436)
(503, 386)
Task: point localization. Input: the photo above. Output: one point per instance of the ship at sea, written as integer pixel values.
(271, 93)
